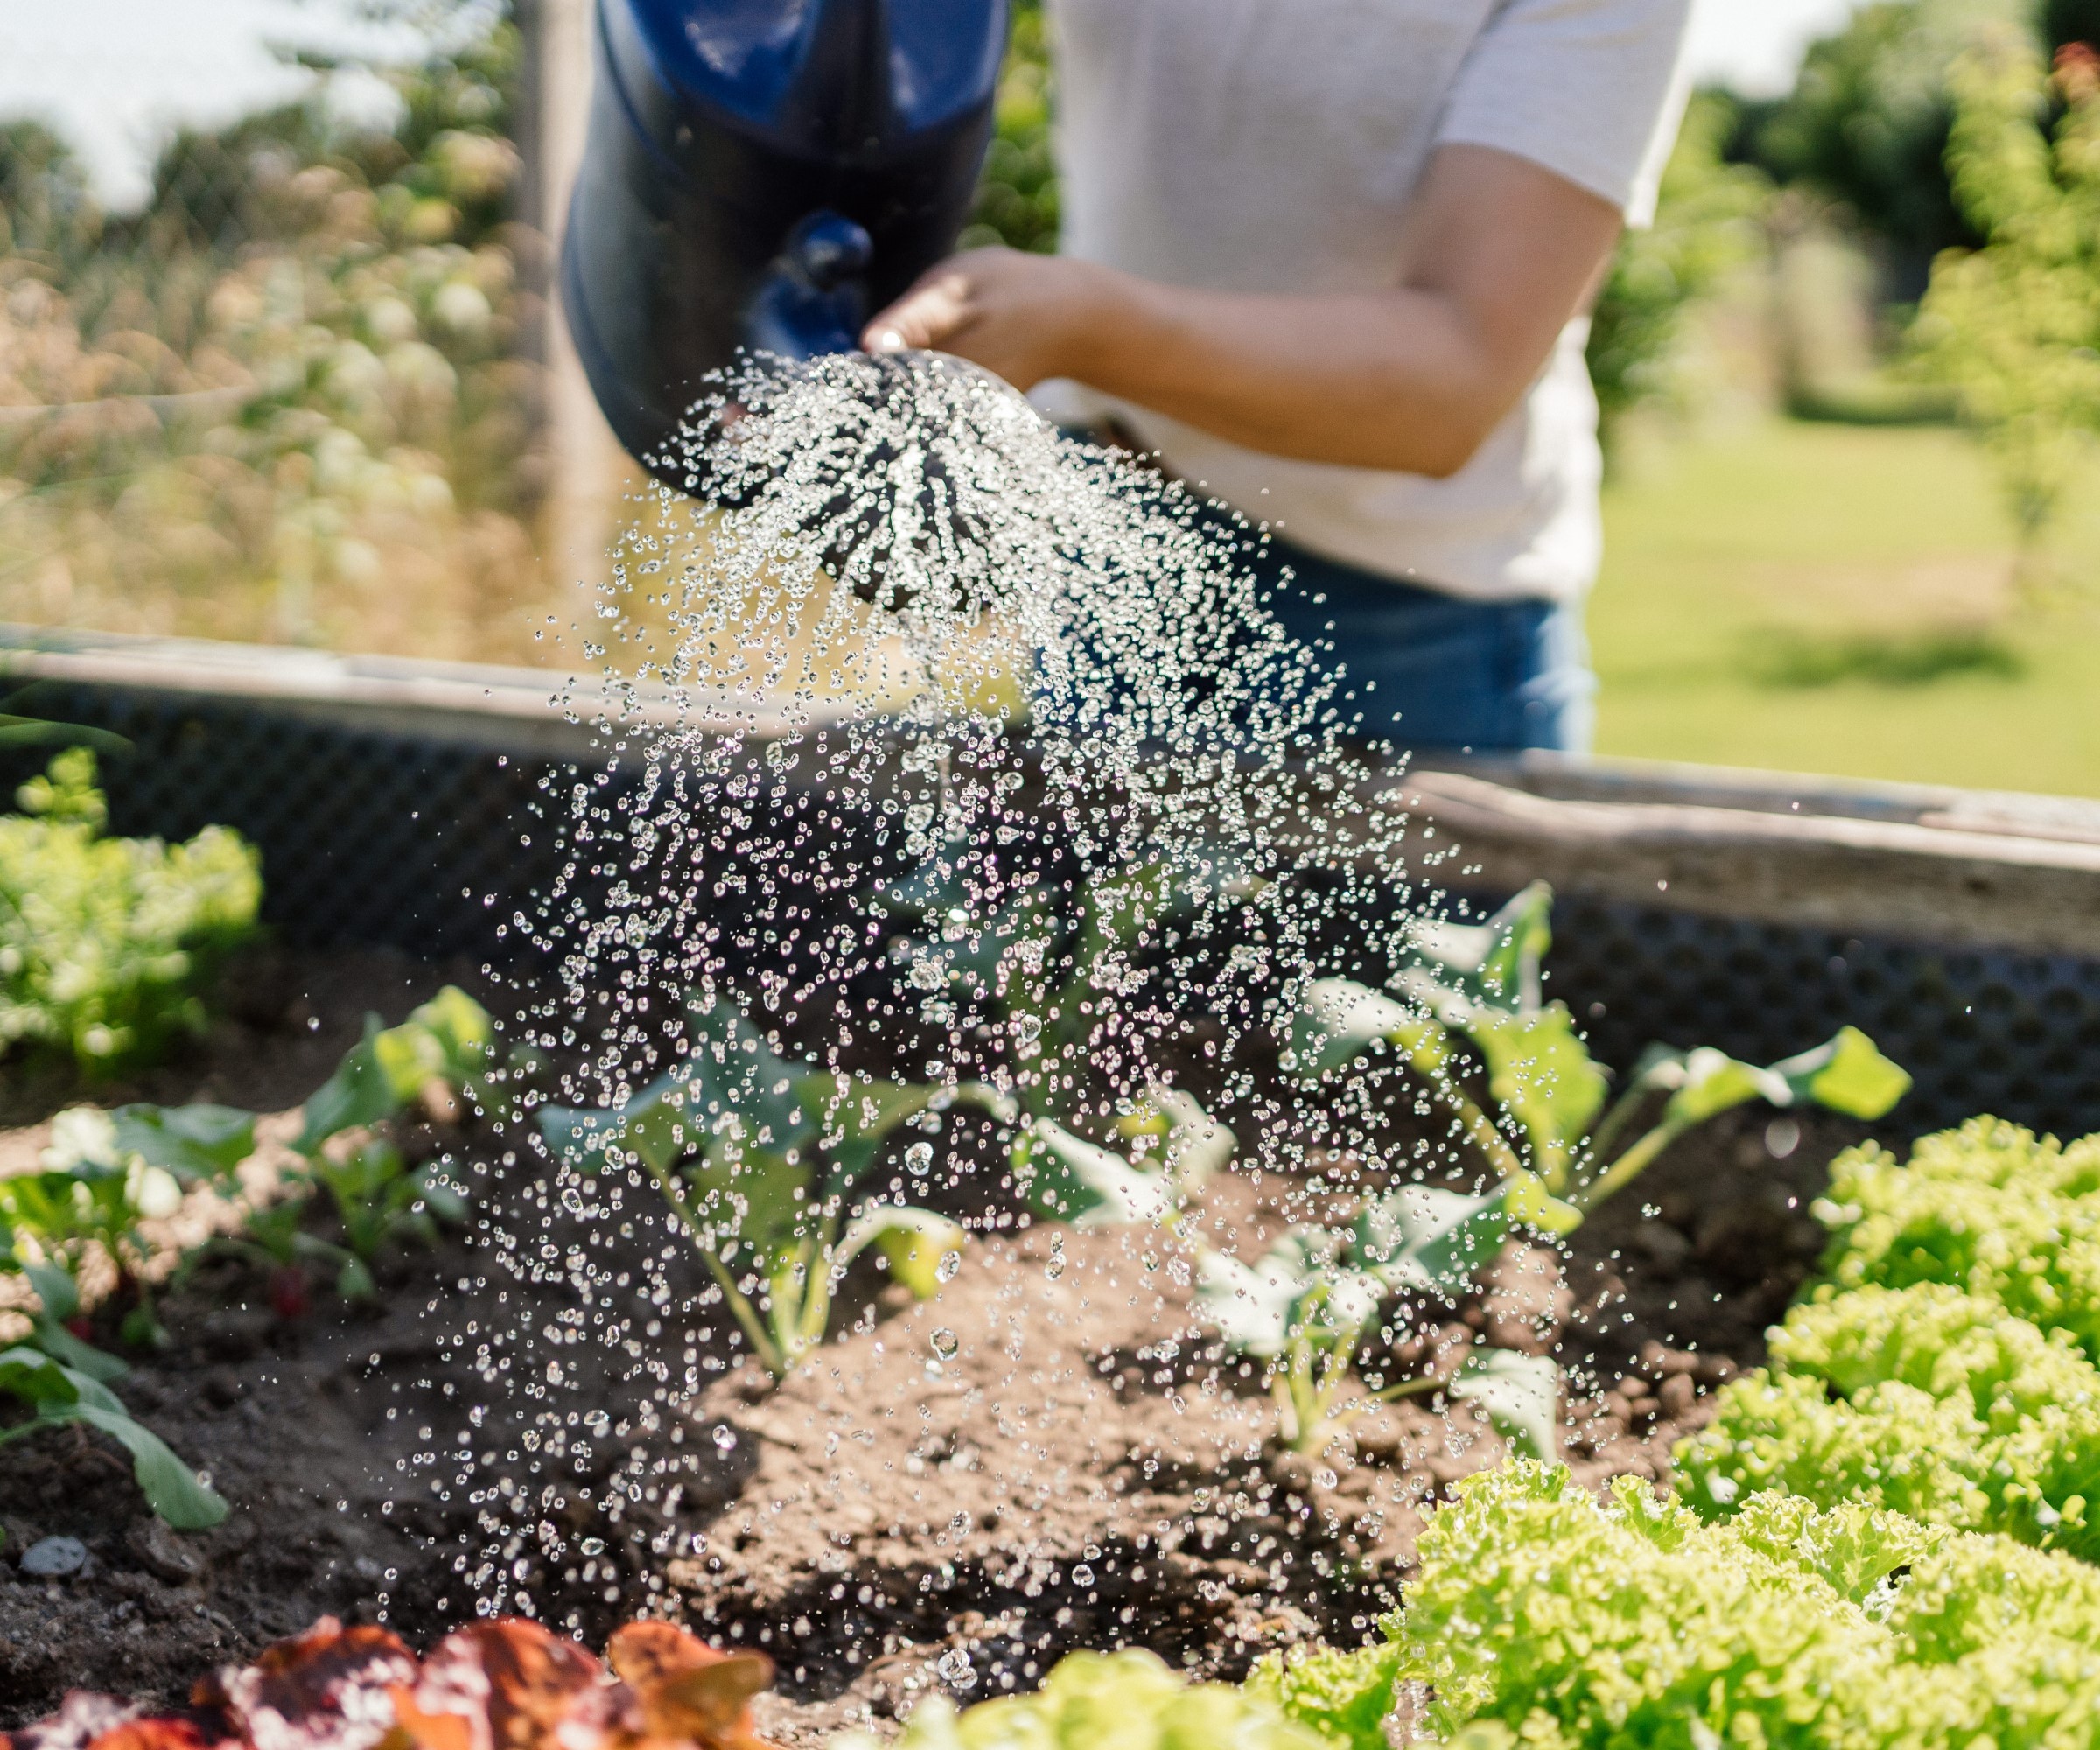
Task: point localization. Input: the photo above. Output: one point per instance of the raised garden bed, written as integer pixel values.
(1059, 1459)
(544, 1406)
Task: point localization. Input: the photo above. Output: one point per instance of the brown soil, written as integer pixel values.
(1049, 1455)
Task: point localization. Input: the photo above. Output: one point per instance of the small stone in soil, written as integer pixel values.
(54, 1557)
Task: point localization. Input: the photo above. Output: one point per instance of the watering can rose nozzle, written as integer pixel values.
(761, 177)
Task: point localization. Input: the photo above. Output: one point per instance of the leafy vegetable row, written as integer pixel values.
(1947, 1368)
(105, 941)
(106, 1173)
(768, 1164)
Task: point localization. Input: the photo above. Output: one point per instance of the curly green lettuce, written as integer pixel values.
(1989, 1208)
(1927, 1401)
(1564, 1621)
(104, 942)
(1129, 1700)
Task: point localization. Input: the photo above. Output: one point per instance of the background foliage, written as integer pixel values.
(287, 399)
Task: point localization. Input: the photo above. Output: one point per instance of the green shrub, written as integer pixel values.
(104, 942)
(1539, 1615)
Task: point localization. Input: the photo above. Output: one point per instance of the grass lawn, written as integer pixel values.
(1833, 599)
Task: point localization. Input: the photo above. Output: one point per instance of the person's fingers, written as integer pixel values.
(931, 314)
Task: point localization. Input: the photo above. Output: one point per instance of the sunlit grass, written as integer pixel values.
(1826, 598)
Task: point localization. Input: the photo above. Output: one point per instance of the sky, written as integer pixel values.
(116, 75)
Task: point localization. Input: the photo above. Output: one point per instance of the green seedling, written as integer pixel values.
(442, 1055)
(1472, 999)
(1306, 1308)
(105, 942)
(444, 1051)
(59, 1395)
(103, 1174)
(1045, 981)
(765, 1164)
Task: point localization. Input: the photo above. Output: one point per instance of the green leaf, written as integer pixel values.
(1338, 1021)
(914, 1241)
(1708, 1082)
(464, 1032)
(734, 1070)
(1067, 1178)
(194, 1142)
(353, 1280)
(359, 1092)
(856, 1115)
(1251, 1304)
(1528, 1200)
(171, 1488)
(1430, 1240)
(1543, 1076)
(652, 1126)
(1497, 964)
(1519, 1394)
(37, 1379)
(760, 1197)
(1849, 1074)
(55, 1288)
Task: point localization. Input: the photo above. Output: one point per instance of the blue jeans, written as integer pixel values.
(1426, 671)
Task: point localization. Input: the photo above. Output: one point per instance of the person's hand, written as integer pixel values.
(1025, 316)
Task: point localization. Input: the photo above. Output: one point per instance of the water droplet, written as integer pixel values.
(919, 1158)
(1081, 1574)
(950, 1263)
(726, 1437)
(955, 1669)
(945, 1343)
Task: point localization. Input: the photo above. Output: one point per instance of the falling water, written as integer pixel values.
(911, 683)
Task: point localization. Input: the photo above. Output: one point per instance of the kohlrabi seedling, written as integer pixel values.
(765, 1164)
(1045, 980)
(1471, 997)
(1305, 1306)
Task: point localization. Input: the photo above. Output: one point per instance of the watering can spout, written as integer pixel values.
(759, 175)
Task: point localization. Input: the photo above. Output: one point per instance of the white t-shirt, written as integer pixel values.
(1275, 145)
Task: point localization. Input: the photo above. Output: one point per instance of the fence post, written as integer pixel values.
(587, 473)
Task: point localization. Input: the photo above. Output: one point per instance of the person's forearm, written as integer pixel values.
(1496, 254)
(1389, 380)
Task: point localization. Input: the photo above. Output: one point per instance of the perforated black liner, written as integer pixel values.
(415, 841)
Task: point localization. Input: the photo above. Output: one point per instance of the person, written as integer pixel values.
(1330, 262)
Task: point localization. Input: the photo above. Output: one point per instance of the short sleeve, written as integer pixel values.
(1593, 90)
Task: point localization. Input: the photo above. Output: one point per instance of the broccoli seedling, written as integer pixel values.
(442, 1054)
(1305, 1307)
(764, 1164)
(1043, 978)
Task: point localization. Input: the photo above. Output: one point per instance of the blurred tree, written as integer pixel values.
(1016, 195)
(2014, 327)
(46, 208)
(1866, 125)
(1706, 226)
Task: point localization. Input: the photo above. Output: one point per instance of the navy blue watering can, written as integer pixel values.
(764, 174)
